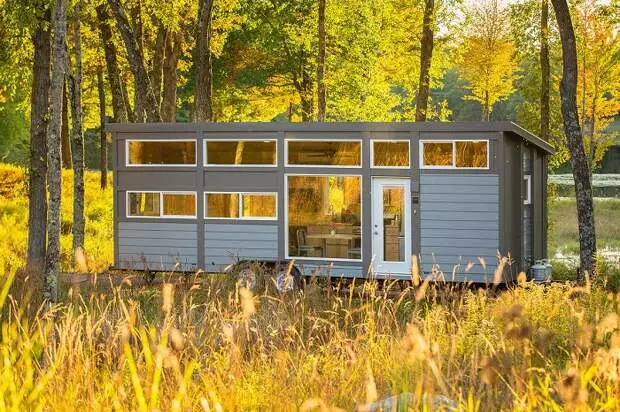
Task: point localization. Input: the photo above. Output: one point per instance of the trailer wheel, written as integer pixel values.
(287, 281)
(247, 275)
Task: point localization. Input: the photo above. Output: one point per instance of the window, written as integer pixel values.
(161, 204)
(527, 189)
(343, 153)
(390, 154)
(324, 215)
(240, 205)
(455, 154)
(161, 152)
(240, 153)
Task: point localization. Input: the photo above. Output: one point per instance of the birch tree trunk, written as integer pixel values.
(136, 63)
(204, 70)
(54, 175)
(65, 142)
(174, 43)
(544, 70)
(158, 61)
(574, 137)
(77, 137)
(39, 103)
(103, 149)
(426, 58)
(320, 71)
(118, 102)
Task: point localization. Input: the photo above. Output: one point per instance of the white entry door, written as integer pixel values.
(391, 226)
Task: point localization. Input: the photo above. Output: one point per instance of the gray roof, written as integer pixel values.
(502, 126)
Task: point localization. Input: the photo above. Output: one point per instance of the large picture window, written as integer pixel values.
(324, 216)
(343, 153)
(161, 153)
(455, 154)
(390, 153)
(161, 204)
(229, 205)
(240, 153)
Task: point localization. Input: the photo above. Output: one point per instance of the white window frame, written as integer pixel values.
(528, 190)
(323, 259)
(161, 204)
(372, 153)
(287, 164)
(453, 166)
(240, 205)
(207, 140)
(127, 164)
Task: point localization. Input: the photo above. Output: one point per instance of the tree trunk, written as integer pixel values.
(77, 137)
(426, 58)
(130, 114)
(174, 43)
(64, 133)
(486, 110)
(544, 71)
(54, 175)
(307, 103)
(158, 61)
(103, 149)
(204, 74)
(39, 102)
(136, 63)
(118, 104)
(320, 71)
(578, 159)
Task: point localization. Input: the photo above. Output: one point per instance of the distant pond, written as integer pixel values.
(603, 185)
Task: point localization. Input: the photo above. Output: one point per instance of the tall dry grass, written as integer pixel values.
(205, 344)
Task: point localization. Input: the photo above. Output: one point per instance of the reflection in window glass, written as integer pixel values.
(241, 152)
(179, 204)
(393, 228)
(437, 154)
(324, 216)
(258, 205)
(390, 154)
(142, 152)
(143, 204)
(222, 205)
(324, 153)
(471, 154)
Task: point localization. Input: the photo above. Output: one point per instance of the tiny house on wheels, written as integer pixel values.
(337, 199)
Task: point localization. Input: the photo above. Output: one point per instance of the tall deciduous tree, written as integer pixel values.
(135, 57)
(204, 70)
(103, 142)
(320, 71)
(109, 48)
(574, 137)
(54, 171)
(487, 62)
(545, 70)
(174, 47)
(77, 137)
(39, 103)
(426, 58)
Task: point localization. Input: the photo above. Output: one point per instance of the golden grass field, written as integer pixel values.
(202, 343)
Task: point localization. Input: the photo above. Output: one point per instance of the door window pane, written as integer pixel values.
(143, 204)
(179, 204)
(324, 153)
(324, 216)
(241, 152)
(437, 154)
(224, 205)
(258, 205)
(142, 152)
(472, 154)
(393, 224)
(390, 154)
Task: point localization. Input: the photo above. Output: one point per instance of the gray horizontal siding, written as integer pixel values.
(327, 269)
(225, 243)
(459, 222)
(157, 246)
